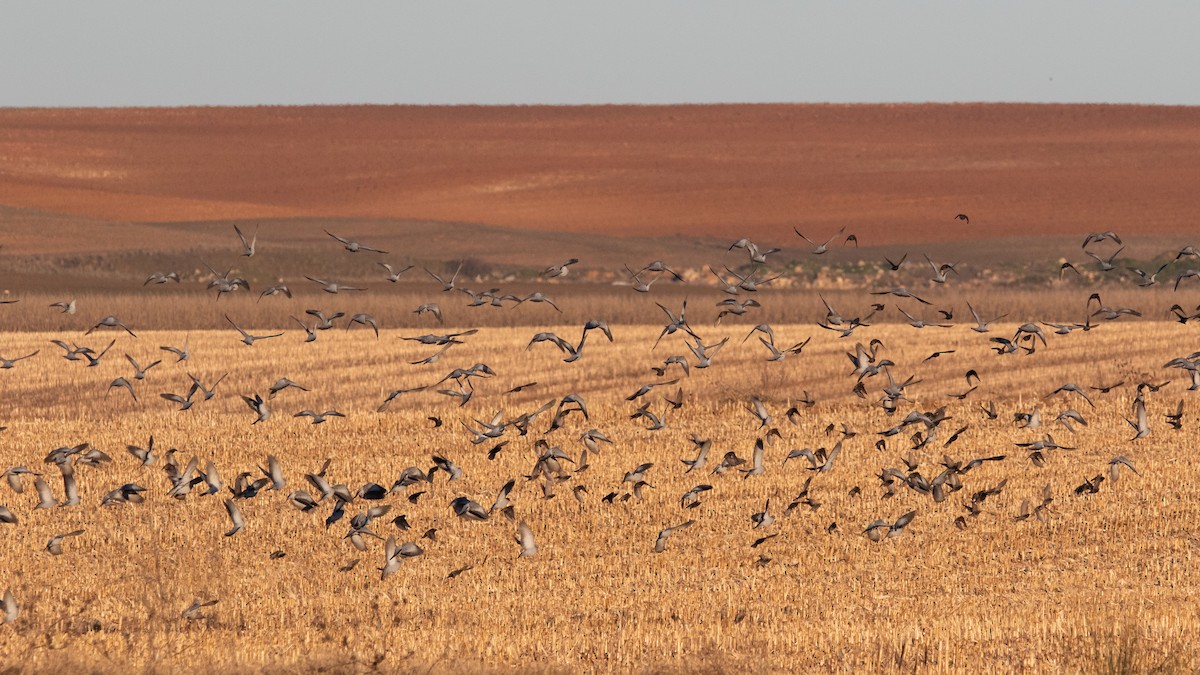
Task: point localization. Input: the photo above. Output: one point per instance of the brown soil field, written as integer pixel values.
(892, 174)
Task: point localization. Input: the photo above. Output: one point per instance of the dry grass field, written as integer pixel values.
(1105, 579)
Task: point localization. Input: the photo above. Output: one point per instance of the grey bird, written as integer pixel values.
(446, 285)
(365, 320)
(248, 339)
(6, 364)
(121, 382)
(235, 517)
(11, 608)
(94, 360)
(468, 509)
(309, 331)
(394, 274)
(756, 465)
(702, 448)
(129, 493)
(110, 322)
(660, 544)
(259, 407)
(247, 246)
(65, 306)
(181, 353)
(1141, 425)
(1096, 237)
(324, 322)
(880, 528)
(763, 518)
(538, 297)
(391, 558)
(45, 497)
(819, 249)
(502, 502)
(192, 611)
(333, 286)
(284, 383)
(559, 270)
(318, 417)
(198, 386)
(54, 546)
(275, 290)
(981, 326)
(353, 246)
(1115, 464)
(185, 402)
(275, 472)
(13, 475)
(524, 537)
(139, 373)
(429, 308)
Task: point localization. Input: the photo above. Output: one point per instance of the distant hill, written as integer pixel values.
(893, 174)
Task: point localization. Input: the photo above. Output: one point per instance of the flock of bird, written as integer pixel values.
(554, 466)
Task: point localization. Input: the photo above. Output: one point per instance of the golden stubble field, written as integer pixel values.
(1105, 577)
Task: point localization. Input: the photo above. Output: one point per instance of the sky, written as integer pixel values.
(170, 53)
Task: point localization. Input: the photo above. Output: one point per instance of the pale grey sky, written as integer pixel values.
(152, 52)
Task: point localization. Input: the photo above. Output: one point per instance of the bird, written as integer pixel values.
(324, 322)
(318, 418)
(247, 247)
(110, 321)
(54, 546)
(1096, 237)
(310, 332)
(763, 518)
(6, 364)
(259, 407)
(391, 558)
(11, 608)
(68, 306)
(559, 270)
(468, 509)
(139, 373)
(181, 353)
(160, 278)
(660, 543)
(1140, 423)
(235, 518)
(524, 537)
(275, 290)
(354, 246)
(121, 382)
(333, 287)
(393, 274)
(430, 308)
(538, 297)
(981, 326)
(820, 249)
(248, 339)
(282, 384)
(879, 529)
(365, 320)
(1106, 264)
(1115, 464)
(198, 387)
(446, 285)
(192, 612)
